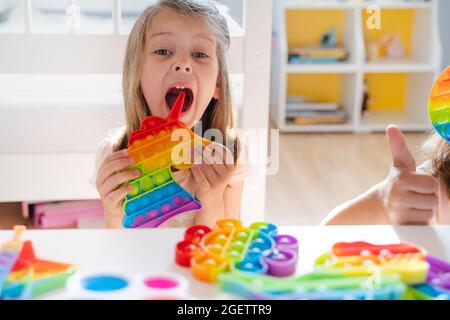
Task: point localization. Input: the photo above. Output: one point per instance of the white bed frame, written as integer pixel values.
(39, 72)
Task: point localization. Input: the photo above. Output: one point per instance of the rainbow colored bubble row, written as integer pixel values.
(439, 104)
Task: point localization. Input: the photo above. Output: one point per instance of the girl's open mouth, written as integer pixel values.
(172, 95)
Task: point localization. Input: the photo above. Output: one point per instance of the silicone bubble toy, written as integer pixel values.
(231, 247)
(353, 270)
(26, 276)
(315, 285)
(439, 104)
(362, 258)
(155, 195)
(9, 253)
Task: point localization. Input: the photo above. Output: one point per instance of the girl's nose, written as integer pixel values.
(184, 67)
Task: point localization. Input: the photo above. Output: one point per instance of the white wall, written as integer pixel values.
(235, 7)
(444, 23)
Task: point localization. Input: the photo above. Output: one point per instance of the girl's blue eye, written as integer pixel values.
(200, 55)
(163, 52)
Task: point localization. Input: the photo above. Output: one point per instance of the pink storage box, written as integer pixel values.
(61, 214)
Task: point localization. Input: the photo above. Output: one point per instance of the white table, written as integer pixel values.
(149, 251)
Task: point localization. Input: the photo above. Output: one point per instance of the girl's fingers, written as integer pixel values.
(118, 179)
(199, 177)
(210, 174)
(417, 216)
(213, 167)
(421, 201)
(218, 154)
(116, 155)
(228, 159)
(221, 170)
(219, 157)
(110, 168)
(224, 172)
(421, 183)
(197, 153)
(116, 197)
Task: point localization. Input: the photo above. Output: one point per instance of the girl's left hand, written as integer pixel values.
(213, 174)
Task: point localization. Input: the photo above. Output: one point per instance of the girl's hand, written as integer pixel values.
(109, 183)
(212, 175)
(409, 197)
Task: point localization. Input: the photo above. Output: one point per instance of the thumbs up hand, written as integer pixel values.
(409, 197)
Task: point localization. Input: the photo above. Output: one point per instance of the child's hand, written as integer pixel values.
(212, 175)
(409, 197)
(110, 180)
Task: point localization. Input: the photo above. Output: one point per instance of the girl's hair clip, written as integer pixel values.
(439, 104)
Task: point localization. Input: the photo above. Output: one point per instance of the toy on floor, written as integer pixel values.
(25, 276)
(354, 270)
(156, 196)
(230, 247)
(439, 104)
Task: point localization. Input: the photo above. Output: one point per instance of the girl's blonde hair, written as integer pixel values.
(219, 113)
(438, 150)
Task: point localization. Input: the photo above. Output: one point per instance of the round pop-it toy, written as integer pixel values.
(439, 104)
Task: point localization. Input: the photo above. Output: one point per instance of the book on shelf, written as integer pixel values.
(316, 117)
(317, 106)
(295, 99)
(294, 59)
(317, 55)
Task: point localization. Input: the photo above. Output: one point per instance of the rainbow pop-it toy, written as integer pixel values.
(231, 247)
(439, 104)
(315, 285)
(156, 196)
(362, 258)
(24, 276)
(353, 270)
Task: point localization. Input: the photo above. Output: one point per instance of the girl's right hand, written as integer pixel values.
(110, 185)
(409, 197)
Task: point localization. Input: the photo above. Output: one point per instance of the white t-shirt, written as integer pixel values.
(106, 147)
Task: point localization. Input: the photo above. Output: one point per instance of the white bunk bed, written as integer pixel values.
(60, 94)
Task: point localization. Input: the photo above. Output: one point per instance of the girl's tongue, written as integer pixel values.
(172, 95)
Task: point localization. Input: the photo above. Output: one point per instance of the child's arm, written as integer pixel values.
(227, 207)
(218, 198)
(404, 197)
(232, 200)
(367, 208)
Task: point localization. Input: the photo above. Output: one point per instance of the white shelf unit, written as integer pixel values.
(420, 67)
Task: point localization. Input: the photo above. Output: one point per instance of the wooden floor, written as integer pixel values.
(10, 214)
(316, 173)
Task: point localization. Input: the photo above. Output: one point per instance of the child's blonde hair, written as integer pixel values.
(219, 113)
(437, 149)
